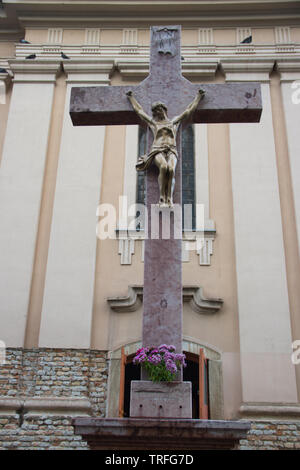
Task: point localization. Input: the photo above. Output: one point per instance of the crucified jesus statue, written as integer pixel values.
(163, 151)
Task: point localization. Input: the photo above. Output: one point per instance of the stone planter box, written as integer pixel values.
(161, 400)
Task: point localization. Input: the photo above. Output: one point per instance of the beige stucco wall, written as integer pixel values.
(263, 36)
(224, 36)
(7, 49)
(144, 37)
(295, 34)
(190, 37)
(37, 36)
(73, 36)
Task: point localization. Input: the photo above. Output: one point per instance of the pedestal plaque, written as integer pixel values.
(160, 400)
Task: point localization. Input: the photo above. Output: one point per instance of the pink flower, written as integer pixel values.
(161, 362)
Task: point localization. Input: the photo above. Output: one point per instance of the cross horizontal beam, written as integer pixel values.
(230, 102)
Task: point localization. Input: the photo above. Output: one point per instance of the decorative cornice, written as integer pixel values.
(34, 70)
(226, 12)
(270, 410)
(5, 65)
(289, 69)
(201, 67)
(85, 70)
(4, 77)
(139, 68)
(256, 69)
(133, 69)
(17, 15)
(96, 71)
(54, 406)
(288, 64)
(140, 53)
(49, 406)
(128, 303)
(191, 235)
(134, 66)
(192, 294)
(69, 21)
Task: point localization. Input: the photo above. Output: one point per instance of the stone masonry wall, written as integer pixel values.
(49, 376)
(272, 435)
(39, 433)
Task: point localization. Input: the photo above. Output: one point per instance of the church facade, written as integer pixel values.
(71, 299)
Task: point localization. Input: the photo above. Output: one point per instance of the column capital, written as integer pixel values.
(289, 69)
(5, 72)
(33, 70)
(3, 76)
(139, 68)
(3, 81)
(93, 71)
(248, 69)
(203, 68)
(133, 69)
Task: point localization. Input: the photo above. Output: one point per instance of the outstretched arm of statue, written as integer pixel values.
(190, 109)
(138, 108)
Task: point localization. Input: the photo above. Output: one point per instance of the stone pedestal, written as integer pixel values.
(160, 400)
(160, 434)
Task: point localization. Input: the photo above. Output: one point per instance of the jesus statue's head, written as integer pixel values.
(159, 111)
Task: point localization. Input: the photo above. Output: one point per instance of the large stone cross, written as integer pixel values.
(223, 103)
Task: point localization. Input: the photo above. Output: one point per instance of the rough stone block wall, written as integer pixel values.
(49, 374)
(272, 435)
(43, 432)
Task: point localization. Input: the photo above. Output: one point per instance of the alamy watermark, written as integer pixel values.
(2, 93)
(296, 94)
(161, 223)
(2, 353)
(296, 352)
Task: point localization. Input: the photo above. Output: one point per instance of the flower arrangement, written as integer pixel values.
(161, 363)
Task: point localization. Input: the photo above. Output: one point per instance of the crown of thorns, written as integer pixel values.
(159, 104)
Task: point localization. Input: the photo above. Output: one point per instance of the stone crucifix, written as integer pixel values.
(220, 103)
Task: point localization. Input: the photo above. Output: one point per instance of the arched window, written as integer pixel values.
(188, 170)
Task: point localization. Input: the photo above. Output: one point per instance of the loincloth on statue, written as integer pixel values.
(145, 161)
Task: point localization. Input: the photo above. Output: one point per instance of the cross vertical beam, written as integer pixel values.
(162, 316)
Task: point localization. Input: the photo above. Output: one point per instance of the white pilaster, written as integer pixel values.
(290, 86)
(69, 284)
(21, 183)
(264, 318)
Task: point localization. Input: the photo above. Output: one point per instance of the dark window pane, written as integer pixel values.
(141, 187)
(188, 171)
